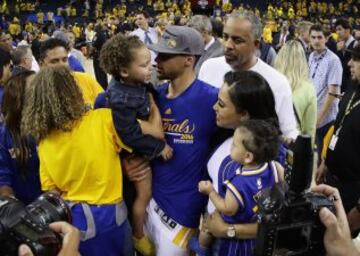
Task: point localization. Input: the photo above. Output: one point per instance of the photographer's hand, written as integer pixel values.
(70, 243)
(337, 239)
(71, 238)
(24, 250)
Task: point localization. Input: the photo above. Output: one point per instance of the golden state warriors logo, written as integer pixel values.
(183, 132)
(171, 43)
(168, 111)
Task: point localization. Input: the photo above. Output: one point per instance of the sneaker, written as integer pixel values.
(195, 246)
(144, 246)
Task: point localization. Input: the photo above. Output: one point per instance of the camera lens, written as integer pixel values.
(48, 208)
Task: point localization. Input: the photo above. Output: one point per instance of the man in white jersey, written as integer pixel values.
(242, 34)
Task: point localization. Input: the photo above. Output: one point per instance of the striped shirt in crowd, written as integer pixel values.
(325, 70)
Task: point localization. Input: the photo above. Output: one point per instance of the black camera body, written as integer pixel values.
(28, 225)
(288, 216)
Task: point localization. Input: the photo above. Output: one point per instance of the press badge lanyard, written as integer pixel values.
(318, 60)
(348, 109)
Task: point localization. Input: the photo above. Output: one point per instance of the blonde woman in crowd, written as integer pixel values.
(291, 61)
(160, 26)
(89, 32)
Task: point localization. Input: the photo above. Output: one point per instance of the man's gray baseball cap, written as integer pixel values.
(179, 40)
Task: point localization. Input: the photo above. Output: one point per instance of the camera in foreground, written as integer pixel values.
(20, 224)
(289, 221)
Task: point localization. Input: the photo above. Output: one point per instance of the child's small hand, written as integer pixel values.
(206, 187)
(167, 152)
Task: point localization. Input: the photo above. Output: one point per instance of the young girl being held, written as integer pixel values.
(255, 145)
(136, 117)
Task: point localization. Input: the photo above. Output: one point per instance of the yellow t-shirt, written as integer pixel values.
(267, 34)
(84, 163)
(14, 29)
(122, 13)
(77, 31)
(89, 86)
(115, 11)
(23, 7)
(40, 17)
(304, 12)
(161, 6)
(291, 13)
(29, 27)
(73, 12)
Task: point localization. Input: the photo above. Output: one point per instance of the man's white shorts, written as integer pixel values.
(168, 236)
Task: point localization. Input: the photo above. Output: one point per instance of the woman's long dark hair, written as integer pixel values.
(250, 92)
(12, 104)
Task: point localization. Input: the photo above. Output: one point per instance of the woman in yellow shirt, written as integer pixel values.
(79, 157)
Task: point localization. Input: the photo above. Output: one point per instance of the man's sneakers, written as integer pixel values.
(144, 246)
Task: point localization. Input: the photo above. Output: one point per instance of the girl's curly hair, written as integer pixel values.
(118, 52)
(53, 102)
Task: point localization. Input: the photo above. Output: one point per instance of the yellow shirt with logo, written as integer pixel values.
(89, 87)
(84, 163)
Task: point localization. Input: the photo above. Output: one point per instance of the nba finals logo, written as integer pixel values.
(183, 132)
